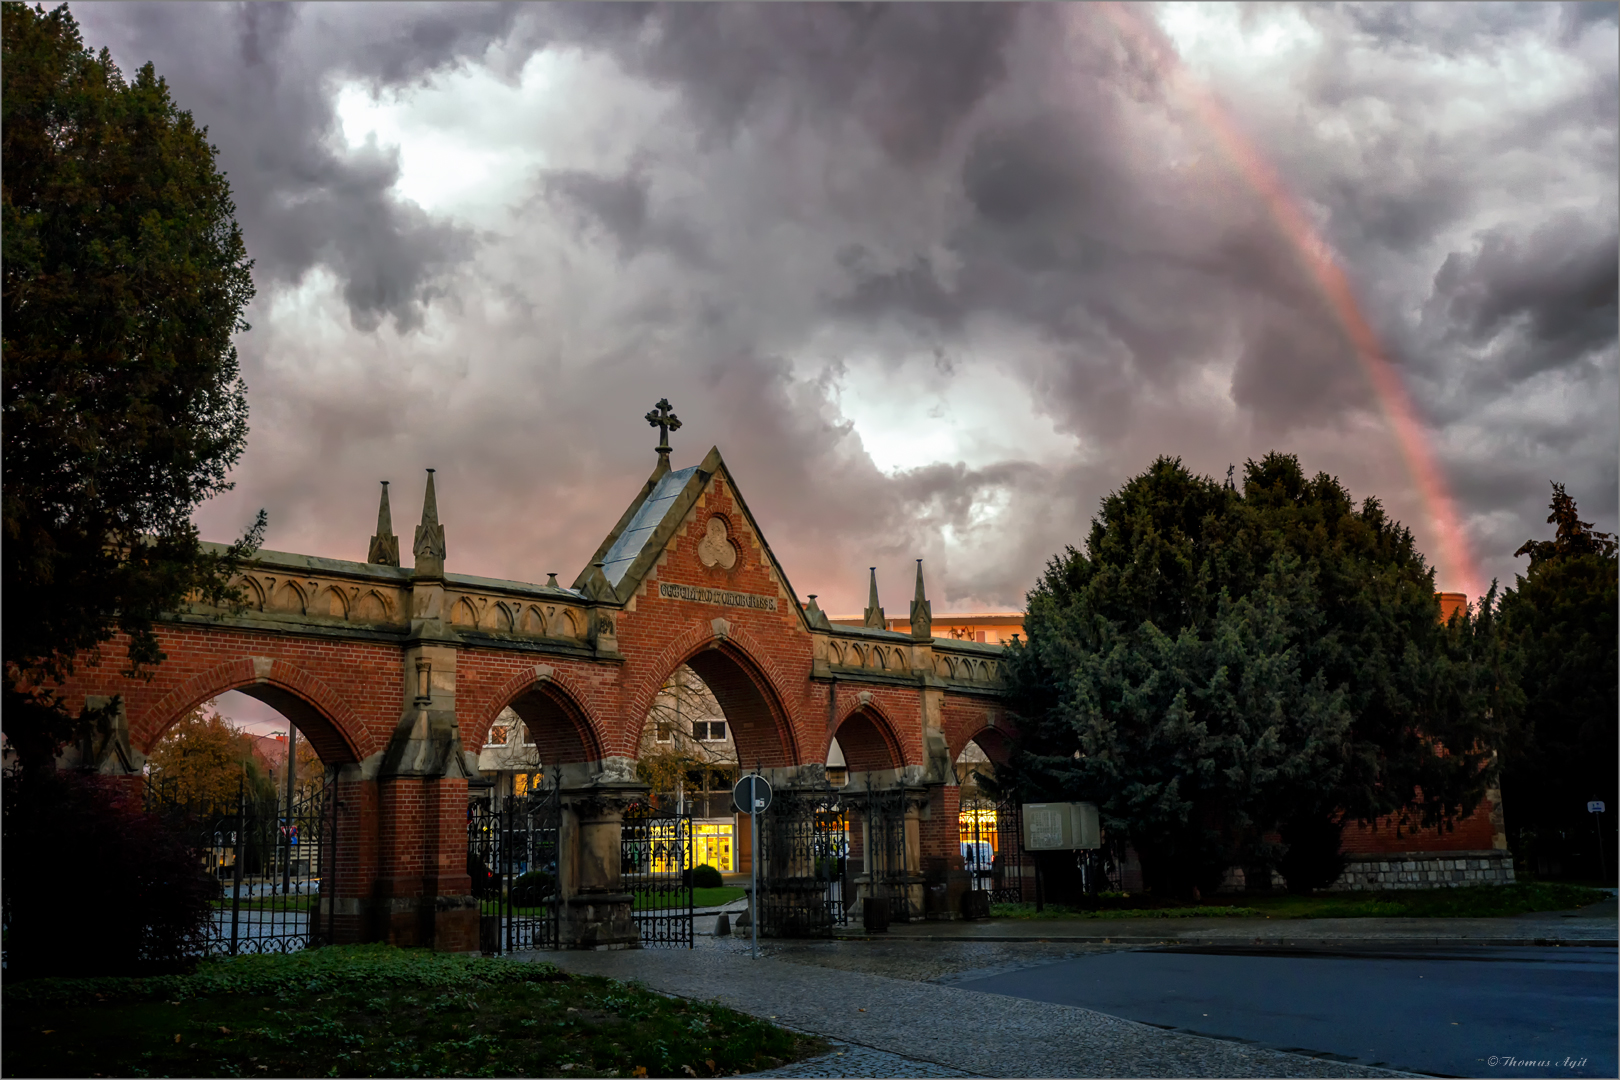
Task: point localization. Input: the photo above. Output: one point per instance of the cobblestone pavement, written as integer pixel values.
(852, 1060)
(833, 989)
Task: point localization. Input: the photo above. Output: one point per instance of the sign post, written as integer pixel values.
(1597, 808)
(1058, 827)
(753, 796)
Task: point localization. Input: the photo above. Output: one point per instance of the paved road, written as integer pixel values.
(1460, 1011)
(937, 1030)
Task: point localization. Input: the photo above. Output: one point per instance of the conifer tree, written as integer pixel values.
(1561, 620)
(1219, 667)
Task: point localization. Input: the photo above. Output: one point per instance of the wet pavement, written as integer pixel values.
(1128, 997)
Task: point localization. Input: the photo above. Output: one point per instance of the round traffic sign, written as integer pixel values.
(752, 794)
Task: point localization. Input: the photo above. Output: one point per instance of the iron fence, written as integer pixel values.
(804, 853)
(993, 850)
(656, 854)
(881, 814)
(512, 858)
(273, 863)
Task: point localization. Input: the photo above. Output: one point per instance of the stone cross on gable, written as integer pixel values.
(665, 421)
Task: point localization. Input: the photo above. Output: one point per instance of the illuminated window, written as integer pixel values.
(497, 735)
(713, 844)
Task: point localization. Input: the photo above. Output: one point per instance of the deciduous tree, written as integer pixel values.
(125, 279)
(203, 758)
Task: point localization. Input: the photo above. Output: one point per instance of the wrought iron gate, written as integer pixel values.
(273, 864)
(993, 849)
(656, 855)
(804, 881)
(512, 858)
(880, 816)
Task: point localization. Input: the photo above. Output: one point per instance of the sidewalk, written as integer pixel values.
(926, 1029)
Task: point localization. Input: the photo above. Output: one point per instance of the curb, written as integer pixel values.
(1116, 939)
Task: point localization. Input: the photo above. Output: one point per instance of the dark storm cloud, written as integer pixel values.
(909, 72)
(620, 205)
(802, 192)
(1556, 288)
(261, 77)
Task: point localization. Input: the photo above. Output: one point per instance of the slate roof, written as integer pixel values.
(630, 551)
(622, 555)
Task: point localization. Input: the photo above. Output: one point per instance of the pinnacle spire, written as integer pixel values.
(874, 613)
(384, 550)
(429, 546)
(922, 612)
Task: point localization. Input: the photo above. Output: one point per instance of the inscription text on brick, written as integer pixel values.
(670, 591)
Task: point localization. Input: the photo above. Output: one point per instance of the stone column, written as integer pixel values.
(596, 907)
(917, 812)
(423, 895)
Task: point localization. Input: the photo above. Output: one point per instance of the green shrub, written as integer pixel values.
(533, 888)
(706, 877)
(80, 851)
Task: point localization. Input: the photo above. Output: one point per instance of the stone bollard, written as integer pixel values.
(722, 925)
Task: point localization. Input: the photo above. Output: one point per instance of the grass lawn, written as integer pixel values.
(1469, 902)
(701, 898)
(724, 894)
(305, 902)
(374, 1010)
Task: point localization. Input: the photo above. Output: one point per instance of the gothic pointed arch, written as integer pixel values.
(321, 714)
(747, 687)
(866, 735)
(549, 705)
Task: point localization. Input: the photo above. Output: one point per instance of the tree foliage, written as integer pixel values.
(95, 885)
(1220, 666)
(204, 757)
(125, 280)
(1560, 619)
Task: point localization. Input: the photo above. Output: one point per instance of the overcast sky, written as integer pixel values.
(935, 279)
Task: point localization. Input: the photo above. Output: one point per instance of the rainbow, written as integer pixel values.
(1330, 280)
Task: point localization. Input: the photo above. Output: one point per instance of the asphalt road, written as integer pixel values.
(1464, 1011)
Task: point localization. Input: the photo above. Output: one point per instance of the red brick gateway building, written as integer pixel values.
(396, 676)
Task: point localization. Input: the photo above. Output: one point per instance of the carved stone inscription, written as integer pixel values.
(671, 591)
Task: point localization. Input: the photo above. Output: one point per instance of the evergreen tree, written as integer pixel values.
(1561, 620)
(1219, 667)
(125, 279)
